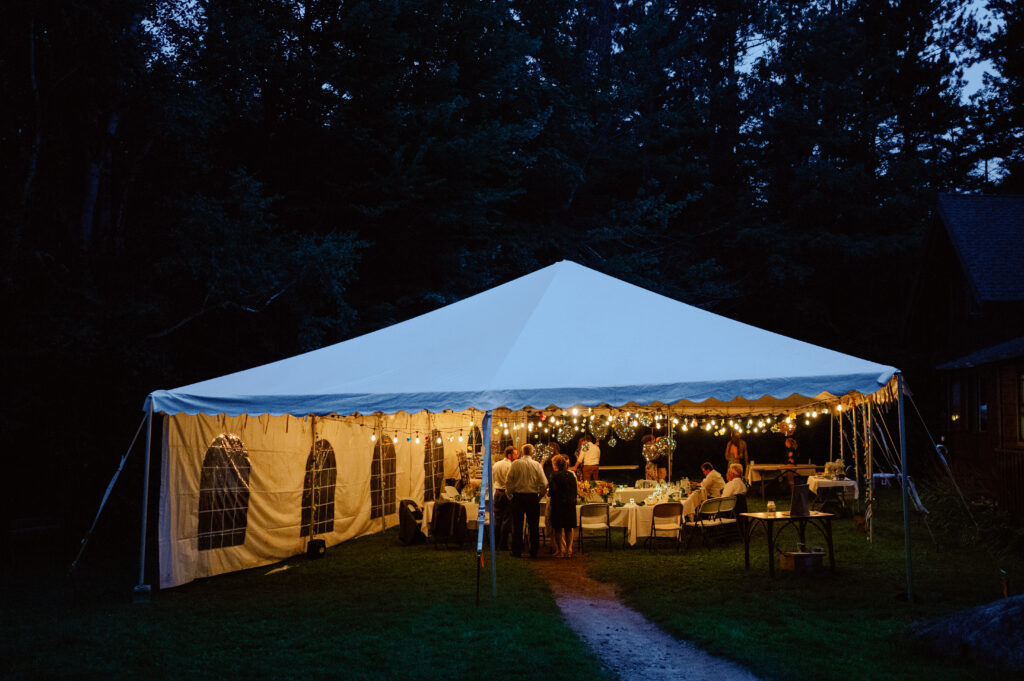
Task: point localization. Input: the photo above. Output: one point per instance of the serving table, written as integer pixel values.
(774, 522)
(846, 488)
(767, 472)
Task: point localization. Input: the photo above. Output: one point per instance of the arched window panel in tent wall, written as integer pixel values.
(433, 466)
(224, 494)
(383, 480)
(475, 442)
(318, 490)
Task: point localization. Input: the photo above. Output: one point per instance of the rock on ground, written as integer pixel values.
(992, 633)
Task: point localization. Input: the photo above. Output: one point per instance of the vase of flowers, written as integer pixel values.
(472, 492)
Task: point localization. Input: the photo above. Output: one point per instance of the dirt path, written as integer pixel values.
(629, 644)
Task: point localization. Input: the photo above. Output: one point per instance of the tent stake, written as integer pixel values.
(140, 594)
(906, 483)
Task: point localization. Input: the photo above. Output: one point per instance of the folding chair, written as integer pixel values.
(667, 517)
(596, 517)
(725, 524)
(543, 526)
(716, 517)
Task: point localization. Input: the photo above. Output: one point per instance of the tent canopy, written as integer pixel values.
(564, 335)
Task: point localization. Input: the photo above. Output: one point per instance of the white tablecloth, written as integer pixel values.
(850, 491)
(636, 519)
(472, 508)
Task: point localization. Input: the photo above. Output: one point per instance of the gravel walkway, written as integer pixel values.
(628, 643)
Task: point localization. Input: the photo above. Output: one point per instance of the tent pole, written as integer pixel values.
(906, 483)
(141, 591)
(486, 507)
(490, 502)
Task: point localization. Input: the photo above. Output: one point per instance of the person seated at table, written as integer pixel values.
(562, 502)
(713, 484)
(735, 484)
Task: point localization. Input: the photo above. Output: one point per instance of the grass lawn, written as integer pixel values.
(373, 609)
(370, 609)
(846, 625)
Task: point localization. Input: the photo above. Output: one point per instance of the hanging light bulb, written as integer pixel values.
(395, 438)
(575, 411)
(373, 437)
(438, 439)
(460, 436)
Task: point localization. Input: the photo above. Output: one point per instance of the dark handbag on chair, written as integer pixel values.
(798, 505)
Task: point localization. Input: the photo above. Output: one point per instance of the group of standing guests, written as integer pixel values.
(520, 482)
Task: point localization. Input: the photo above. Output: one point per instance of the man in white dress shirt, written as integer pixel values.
(713, 483)
(526, 483)
(502, 505)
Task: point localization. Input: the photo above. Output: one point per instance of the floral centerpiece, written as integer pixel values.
(471, 492)
(592, 490)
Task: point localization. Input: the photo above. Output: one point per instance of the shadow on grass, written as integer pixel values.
(369, 609)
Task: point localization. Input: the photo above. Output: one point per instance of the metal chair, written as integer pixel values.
(666, 517)
(543, 525)
(716, 516)
(596, 517)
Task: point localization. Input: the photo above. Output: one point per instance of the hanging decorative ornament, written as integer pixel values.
(542, 451)
(612, 441)
(624, 428)
(646, 420)
(565, 433)
(652, 450)
(598, 427)
(665, 445)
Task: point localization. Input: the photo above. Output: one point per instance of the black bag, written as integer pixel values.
(448, 525)
(798, 506)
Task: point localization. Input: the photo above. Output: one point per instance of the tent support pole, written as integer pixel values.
(486, 510)
(906, 484)
(140, 593)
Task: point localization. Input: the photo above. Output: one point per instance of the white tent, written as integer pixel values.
(563, 336)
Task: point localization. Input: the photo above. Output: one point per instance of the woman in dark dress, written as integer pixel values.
(562, 501)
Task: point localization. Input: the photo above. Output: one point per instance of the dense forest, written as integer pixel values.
(192, 187)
